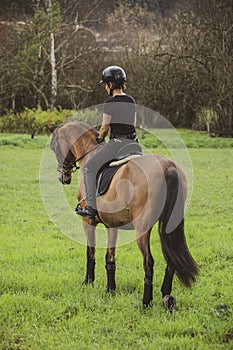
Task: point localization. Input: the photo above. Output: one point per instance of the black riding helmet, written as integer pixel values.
(113, 74)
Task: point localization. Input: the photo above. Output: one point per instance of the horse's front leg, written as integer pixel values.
(143, 242)
(91, 244)
(111, 259)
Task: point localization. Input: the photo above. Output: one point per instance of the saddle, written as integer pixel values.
(106, 173)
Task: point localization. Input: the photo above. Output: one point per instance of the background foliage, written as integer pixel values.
(34, 121)
(178, 56)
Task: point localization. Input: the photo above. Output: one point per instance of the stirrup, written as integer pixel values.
(87, 212)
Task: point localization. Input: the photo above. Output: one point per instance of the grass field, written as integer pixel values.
(43, 304)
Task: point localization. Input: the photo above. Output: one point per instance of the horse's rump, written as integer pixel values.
(137, 193)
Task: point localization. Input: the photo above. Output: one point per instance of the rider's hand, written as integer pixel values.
(99, 139)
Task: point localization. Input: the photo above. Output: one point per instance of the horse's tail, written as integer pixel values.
(171, 230)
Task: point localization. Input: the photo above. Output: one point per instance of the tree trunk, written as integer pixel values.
(53, 73)
(208, 128)
(52, 59)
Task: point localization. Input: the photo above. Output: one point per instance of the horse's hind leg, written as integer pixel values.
(168, 300)
(111, 259)
(143, 242)
(91, 243)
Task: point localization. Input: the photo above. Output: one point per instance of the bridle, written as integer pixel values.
(65, 166)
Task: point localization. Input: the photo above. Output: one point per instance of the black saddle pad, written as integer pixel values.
(105, 175)
(104, 179)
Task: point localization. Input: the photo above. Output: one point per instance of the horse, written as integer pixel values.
(146, 189)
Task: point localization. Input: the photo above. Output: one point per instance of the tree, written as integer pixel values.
(182, 64)
(202, 34)
(179, 65)
(49, 59)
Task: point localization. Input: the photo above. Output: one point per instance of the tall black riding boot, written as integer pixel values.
(90, 186)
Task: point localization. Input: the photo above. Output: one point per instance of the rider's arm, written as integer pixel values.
(105, 125)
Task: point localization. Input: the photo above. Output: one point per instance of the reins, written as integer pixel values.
(74, 164)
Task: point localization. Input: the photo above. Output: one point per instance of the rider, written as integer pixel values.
(119, 116)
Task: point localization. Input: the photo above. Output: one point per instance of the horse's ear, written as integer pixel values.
(51, 127)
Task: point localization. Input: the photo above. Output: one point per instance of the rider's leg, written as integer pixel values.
(104, 155)
(90, 173)
(90, 187)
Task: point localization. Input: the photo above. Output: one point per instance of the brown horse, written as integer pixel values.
(144, 190)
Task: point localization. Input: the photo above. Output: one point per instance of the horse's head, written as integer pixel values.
(62, 149)
(71, 143)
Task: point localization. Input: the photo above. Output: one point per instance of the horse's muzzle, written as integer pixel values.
(65, 179)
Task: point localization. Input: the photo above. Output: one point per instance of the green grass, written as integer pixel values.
(43, 304)
(23, 141)
(191, 138)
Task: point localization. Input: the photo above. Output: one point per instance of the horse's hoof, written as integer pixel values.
(169, 302)
(111, 290)
(147, 302)
(146, 305)
(88, 282)
(84, 283)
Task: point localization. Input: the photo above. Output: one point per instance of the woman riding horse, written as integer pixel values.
(119, 116)
(128, 203)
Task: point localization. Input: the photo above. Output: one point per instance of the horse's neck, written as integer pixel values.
(83, 144)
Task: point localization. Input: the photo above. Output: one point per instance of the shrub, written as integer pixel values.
(32, 121)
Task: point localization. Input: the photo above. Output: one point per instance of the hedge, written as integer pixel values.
(32, 121)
